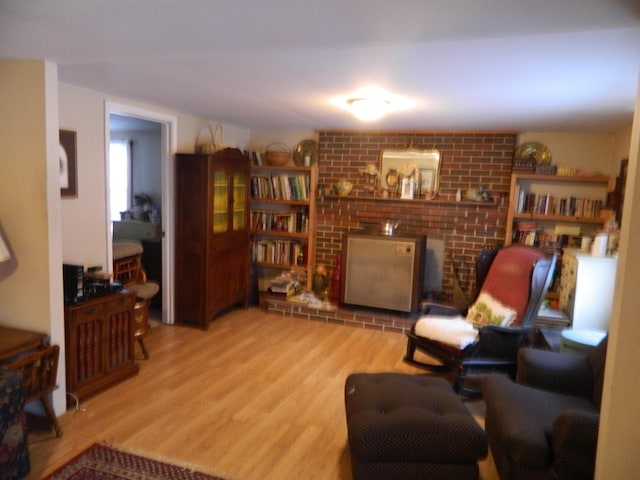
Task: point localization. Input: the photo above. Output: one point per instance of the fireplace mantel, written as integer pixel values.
(435, 201)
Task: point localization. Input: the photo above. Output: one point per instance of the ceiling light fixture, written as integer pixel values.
(369, 109)
(372, 103)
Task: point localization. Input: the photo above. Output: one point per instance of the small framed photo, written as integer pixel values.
(68, 164)
(428, 176)
(407, 188)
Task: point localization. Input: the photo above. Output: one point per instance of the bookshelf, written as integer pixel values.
(282, 222)
(543, 207)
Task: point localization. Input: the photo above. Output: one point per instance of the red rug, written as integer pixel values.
(100, 462)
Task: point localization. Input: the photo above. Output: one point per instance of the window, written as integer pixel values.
(119, 178)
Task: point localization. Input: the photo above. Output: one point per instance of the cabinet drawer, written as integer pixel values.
(123, 302)
(88, 314)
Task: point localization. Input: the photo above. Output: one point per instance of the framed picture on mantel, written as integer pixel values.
(67, 159)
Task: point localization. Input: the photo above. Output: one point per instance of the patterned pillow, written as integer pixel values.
(489, 311)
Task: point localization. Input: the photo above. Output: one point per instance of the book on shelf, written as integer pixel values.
(280, 187)
(287, 283)
(279, 252)
(526, 233)
(294, 221)
(547, 204)
(289, 288)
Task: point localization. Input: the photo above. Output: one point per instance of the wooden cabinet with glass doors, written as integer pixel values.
(212, 235)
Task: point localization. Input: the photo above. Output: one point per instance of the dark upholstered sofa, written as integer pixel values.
(545, 424)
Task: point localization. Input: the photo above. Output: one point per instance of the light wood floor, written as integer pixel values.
(257, 396)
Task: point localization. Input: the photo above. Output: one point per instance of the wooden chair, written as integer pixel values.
(517, 276)
(128, 269)
(39, 370)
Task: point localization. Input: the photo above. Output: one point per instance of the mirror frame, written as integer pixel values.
(420, 164)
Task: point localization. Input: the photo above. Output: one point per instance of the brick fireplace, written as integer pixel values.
(469, 160)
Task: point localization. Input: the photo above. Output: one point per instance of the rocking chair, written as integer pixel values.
(512, 283)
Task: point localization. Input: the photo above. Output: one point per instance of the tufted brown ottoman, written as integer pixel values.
(404, 426)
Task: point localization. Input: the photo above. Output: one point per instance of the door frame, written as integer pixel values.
(169, 139)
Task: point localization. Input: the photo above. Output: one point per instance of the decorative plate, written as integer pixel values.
(306, 148)
(533, 152)
(392, 177)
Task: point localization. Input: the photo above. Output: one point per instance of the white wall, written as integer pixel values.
(588, 152)
(31, 290)
(83, 111)
(83, 218)
(620, 148)
(259, 141)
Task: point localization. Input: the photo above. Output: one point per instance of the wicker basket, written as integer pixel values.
(212, 147)
(277, 157)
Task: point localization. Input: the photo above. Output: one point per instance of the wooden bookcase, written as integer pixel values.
(540, 203)
(283, 221)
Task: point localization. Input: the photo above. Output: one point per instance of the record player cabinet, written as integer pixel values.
(99, 343)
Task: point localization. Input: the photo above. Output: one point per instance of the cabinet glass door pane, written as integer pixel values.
(220, 201)
(239, 200)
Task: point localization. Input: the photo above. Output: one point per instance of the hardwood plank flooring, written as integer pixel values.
(257, 396)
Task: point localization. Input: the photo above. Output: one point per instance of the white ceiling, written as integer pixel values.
(527, 65)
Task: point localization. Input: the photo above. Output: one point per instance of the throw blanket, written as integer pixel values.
(454, 331)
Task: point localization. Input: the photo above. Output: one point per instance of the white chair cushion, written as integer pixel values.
(126, 249)
(452, 330)
(144, 290)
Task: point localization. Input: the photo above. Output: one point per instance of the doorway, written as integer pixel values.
(149, 139)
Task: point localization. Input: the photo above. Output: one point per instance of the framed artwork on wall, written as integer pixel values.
(408, 188)
(427, 175)
(68, 165)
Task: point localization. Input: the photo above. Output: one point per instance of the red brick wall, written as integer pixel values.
(468, 160)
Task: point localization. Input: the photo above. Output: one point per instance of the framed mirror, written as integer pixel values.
(421, 167)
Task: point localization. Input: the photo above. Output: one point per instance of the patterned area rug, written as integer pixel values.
(100, 462)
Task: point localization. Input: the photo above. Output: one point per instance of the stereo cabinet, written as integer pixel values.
(212, 235)
(99, 343)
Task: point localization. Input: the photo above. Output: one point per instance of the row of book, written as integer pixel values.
(548, 204)
(273, 221)
(280, 187)
(279, 252)
(530, 233)
(527, 237)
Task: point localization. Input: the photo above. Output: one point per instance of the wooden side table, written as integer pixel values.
(14, 341)
(29, 352)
